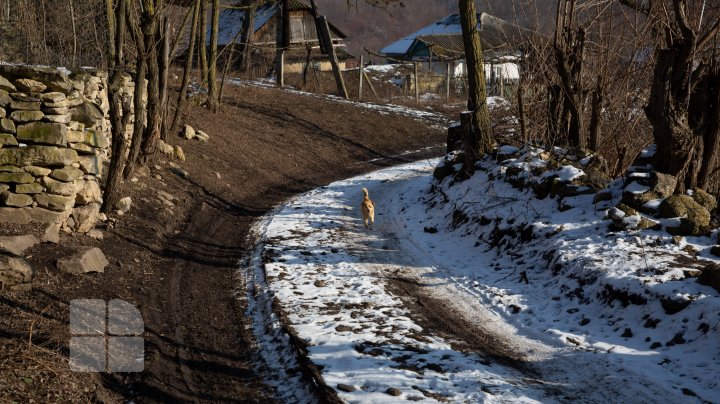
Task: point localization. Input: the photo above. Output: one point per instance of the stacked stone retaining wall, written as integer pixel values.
(54, 139)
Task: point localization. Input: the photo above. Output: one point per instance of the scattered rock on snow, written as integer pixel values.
(345, 387)
(710, 276)
(703, 198)
(86, 259)
(393, 391)
(715, 250)
(694, 217)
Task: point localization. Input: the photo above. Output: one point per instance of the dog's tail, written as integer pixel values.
(365, 193)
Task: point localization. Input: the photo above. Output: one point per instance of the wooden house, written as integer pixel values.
(267, 31)
(440, 45)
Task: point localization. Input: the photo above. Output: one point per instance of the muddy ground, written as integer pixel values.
(178, 264)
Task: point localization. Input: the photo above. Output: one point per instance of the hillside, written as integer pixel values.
(174, 255)
(372, 27)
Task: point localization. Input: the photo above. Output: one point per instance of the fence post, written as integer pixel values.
(447, 84)
(417, 83)
(360, 78)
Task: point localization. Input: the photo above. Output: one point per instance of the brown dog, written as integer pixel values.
(368, 210)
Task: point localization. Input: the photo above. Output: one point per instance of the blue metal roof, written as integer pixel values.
(231, 20)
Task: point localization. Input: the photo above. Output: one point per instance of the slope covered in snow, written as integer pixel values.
(578, 310)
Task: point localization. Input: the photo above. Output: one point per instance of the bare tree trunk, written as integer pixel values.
(202, 45)
(683, 105)
(153, 23)
(596, 117)
(569, 52)
(480, 138)
(72, 19)
(213, 95)
(182, 95)
(248, 32)
(163, 38)
(116, 38)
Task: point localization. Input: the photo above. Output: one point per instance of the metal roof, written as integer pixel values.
(445, 38)
(231, 20)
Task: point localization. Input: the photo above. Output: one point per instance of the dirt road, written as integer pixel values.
(178, 262)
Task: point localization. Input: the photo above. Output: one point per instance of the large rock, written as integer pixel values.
(179, 153)
(16, 200)
(6, 85)
(25, 105)
(124, 204)
(51, 233)
(10, 169)
(26, 97)
(87, 113)
(7, 125)
(59, 187)
(83, 149)
(88, 136)
(165, 148)
(38, 156)
(54, 96)
(5, 99)
(188, 132)
(27, 215)
(30, 85)
(63, 119)
(67, 174)
(710, 276)
(642, 190)
(7, 139)
(202, 136)
(43, 133)
(705, 199)
(694, 217)
(58, 203)
(26, 116)
(54, 79)
(85, 217)
(89, 192)
(16, 177)
(37, 171)
(17, 245)
(14, 271)
(32, 188)
(90, 165)
(86, 259)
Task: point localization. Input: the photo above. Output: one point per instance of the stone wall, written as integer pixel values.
(54, 138)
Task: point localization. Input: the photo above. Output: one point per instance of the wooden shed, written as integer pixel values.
(268, 23)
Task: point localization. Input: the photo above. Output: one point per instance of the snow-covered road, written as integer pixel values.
(401, 313)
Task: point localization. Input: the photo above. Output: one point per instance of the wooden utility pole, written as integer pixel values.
(283, 42)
